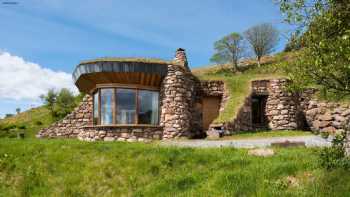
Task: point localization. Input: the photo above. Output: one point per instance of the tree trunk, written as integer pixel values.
(259, 58)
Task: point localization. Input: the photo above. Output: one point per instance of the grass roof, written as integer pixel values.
(129, 59)
(239, 84)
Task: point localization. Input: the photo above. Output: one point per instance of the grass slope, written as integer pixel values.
(73, 168)
(33, 120)
(239, 84)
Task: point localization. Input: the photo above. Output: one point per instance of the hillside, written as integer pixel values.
(238, 84)
(74, 168)
(28, 122)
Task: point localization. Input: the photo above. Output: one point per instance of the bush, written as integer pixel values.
(38, 122)
(334, 157)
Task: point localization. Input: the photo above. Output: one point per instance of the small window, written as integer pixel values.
(106, 106)
(126, 106)
(149, 109)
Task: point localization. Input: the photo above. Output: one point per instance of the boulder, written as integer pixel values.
(326, 117)
(329, 129)
(108, 139)
(261, 152)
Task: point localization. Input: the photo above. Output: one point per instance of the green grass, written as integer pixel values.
(72, 168)
(239, 85)
(266, 134)
(33, 120)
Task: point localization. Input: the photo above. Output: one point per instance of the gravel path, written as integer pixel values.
(310, 141)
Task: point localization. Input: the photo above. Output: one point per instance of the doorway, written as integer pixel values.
(259, 118)
(210, 110)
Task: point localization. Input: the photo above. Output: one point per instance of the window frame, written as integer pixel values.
(114, 103)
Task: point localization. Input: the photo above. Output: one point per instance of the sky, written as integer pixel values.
(41, 41)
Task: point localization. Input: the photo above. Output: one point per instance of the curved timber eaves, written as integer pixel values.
(119, 67)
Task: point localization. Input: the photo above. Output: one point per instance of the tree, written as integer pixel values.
(65, 103)
(324, 61)
(8, 115)
(60, 103)
(18, 110)
(50, 100)
(229, 49)
(262, 39)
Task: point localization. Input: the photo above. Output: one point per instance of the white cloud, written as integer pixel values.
(21, 80)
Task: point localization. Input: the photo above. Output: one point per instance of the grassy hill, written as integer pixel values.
(28, 122)
(73, 168)
(238, 84)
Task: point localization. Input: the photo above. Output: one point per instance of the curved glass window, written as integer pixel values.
(95, 113)
(106, 106)
(149, 107)
(126, 106)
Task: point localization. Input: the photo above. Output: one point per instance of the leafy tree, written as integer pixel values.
(262, 38)
(325, 59)
(8, 115)
(229, 49)
(60, 103)
(50, 100)
(18, 110)
(294, 42)
(65, 103)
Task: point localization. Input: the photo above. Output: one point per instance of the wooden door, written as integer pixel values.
(210, 110)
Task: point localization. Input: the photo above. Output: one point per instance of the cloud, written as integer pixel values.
(22, 80)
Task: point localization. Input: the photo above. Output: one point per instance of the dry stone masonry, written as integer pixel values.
(181, 111)
(181, 96)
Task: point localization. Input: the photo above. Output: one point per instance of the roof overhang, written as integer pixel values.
(119, 71)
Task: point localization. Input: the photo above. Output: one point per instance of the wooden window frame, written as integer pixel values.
(114, 104)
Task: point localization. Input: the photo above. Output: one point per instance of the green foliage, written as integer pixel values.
(65, 103)
(11, 130)
(238, 84)
(325, 60)
(18, 110)
(334, 157)
(33, 120)
(74, 168)
(262, 38)
(61, 103)
(8, 115)
(294, 42)
(229, 49)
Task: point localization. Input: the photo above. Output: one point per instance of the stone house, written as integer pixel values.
(138, 99)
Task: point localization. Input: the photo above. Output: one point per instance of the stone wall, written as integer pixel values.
(71, 125)
(129, 134)
(281, 108)
(177, 102)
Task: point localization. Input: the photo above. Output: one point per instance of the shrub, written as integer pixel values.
(334, 156)
(38, 122)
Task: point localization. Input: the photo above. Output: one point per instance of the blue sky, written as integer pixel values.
(58, 34)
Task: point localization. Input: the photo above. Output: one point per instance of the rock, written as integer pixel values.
(339, 118)
(108, 139)
(312, 112)
(324, 124)
(326, 117)
(261, 152)
(329, 129)
(213, 134)
(346, 112)
(316, 124)
(292, 181)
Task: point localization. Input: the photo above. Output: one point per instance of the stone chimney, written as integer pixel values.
(180, 57)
